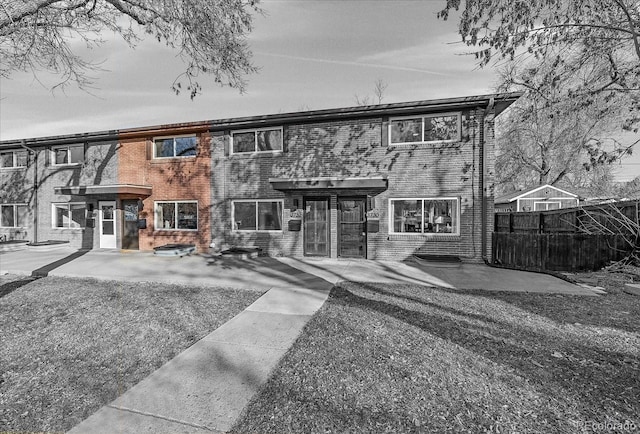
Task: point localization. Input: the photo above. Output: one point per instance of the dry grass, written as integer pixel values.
(404, 358)
(70, 346)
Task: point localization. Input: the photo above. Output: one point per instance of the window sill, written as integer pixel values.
(69, 229)
(12, 169)
(65, 166)
(160, 160)
(258, 231)
(256, 154)
(431, 237)
(169, 232)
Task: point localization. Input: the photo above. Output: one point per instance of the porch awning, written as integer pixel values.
(329, 182)
(88, 190)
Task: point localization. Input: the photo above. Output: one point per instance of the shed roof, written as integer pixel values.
(507, 198)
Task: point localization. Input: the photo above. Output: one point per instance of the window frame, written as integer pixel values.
(422, 233)
(255, 132)
(256, 201)
(175, 202)
(422, 118)
(15, 159)
(546, 208)
(68, 148)
(54, 218)
(15, 214)
(153, 145)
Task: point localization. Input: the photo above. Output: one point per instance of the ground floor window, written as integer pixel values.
(425, 215)
(13, 216)
(176, 215)
(69, 215)
(257, 215)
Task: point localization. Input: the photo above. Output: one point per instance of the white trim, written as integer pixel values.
(108, 241)
(15, 214)
(521, 196)
(422, 118)
(68, 148)
(255, 140)
(175, 202)
(233, 215)
(15, 159)
(425, 234)
(68, 204)
(153, 145)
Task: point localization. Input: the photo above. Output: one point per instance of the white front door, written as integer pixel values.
(107, 223)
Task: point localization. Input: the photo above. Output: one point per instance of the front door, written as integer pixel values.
(130, 231)
(316, 227)
(107, 221)
(352, 235)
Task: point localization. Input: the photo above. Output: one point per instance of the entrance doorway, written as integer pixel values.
(130, 235)
(316, 226)
(107, 221)
(352, 224)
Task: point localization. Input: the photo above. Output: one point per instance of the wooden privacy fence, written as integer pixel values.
(571, 239)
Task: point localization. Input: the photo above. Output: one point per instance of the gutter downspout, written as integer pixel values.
(483, 189)
(35, 189)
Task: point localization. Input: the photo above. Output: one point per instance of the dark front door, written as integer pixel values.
(352, 235)
(130, 225)
(316, 227)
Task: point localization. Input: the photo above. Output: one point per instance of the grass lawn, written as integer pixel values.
(70, 346)
(405, 358)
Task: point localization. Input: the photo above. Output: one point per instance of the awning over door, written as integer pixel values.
(88, 190)
(329, 182)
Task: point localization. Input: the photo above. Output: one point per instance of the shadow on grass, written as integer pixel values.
(9, 287)
(606, 381)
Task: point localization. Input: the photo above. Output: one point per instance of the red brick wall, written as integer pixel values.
(171, 179)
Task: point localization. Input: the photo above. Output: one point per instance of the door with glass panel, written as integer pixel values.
(316, 227)
(107, 224)
(130, 231)
(352, 230)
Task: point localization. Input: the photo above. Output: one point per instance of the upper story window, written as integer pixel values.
(13, 215)
(67, 154)
(13, 159)
(262, 140)
(172, 147)
(425, 215)
(443, 127)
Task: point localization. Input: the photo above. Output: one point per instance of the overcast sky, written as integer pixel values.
(311, 55)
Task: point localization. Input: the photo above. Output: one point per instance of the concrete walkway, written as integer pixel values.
(205, 388)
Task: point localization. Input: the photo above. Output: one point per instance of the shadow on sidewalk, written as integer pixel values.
(44, 271)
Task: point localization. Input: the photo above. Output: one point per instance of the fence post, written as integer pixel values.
(541, 223)
(510, 222)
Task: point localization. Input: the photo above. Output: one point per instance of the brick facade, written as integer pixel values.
(344, 144)
(171, 179)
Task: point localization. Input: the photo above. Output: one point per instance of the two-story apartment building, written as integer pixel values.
(383, 181)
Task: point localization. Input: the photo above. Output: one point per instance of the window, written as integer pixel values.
(176, 215)
(69, 215)
(544, 206)
(171, 147)
(67, 155)
(257, 215)
(13, 216)
(421, 129)
(425, 216)
(264, 140)
(11, 159)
